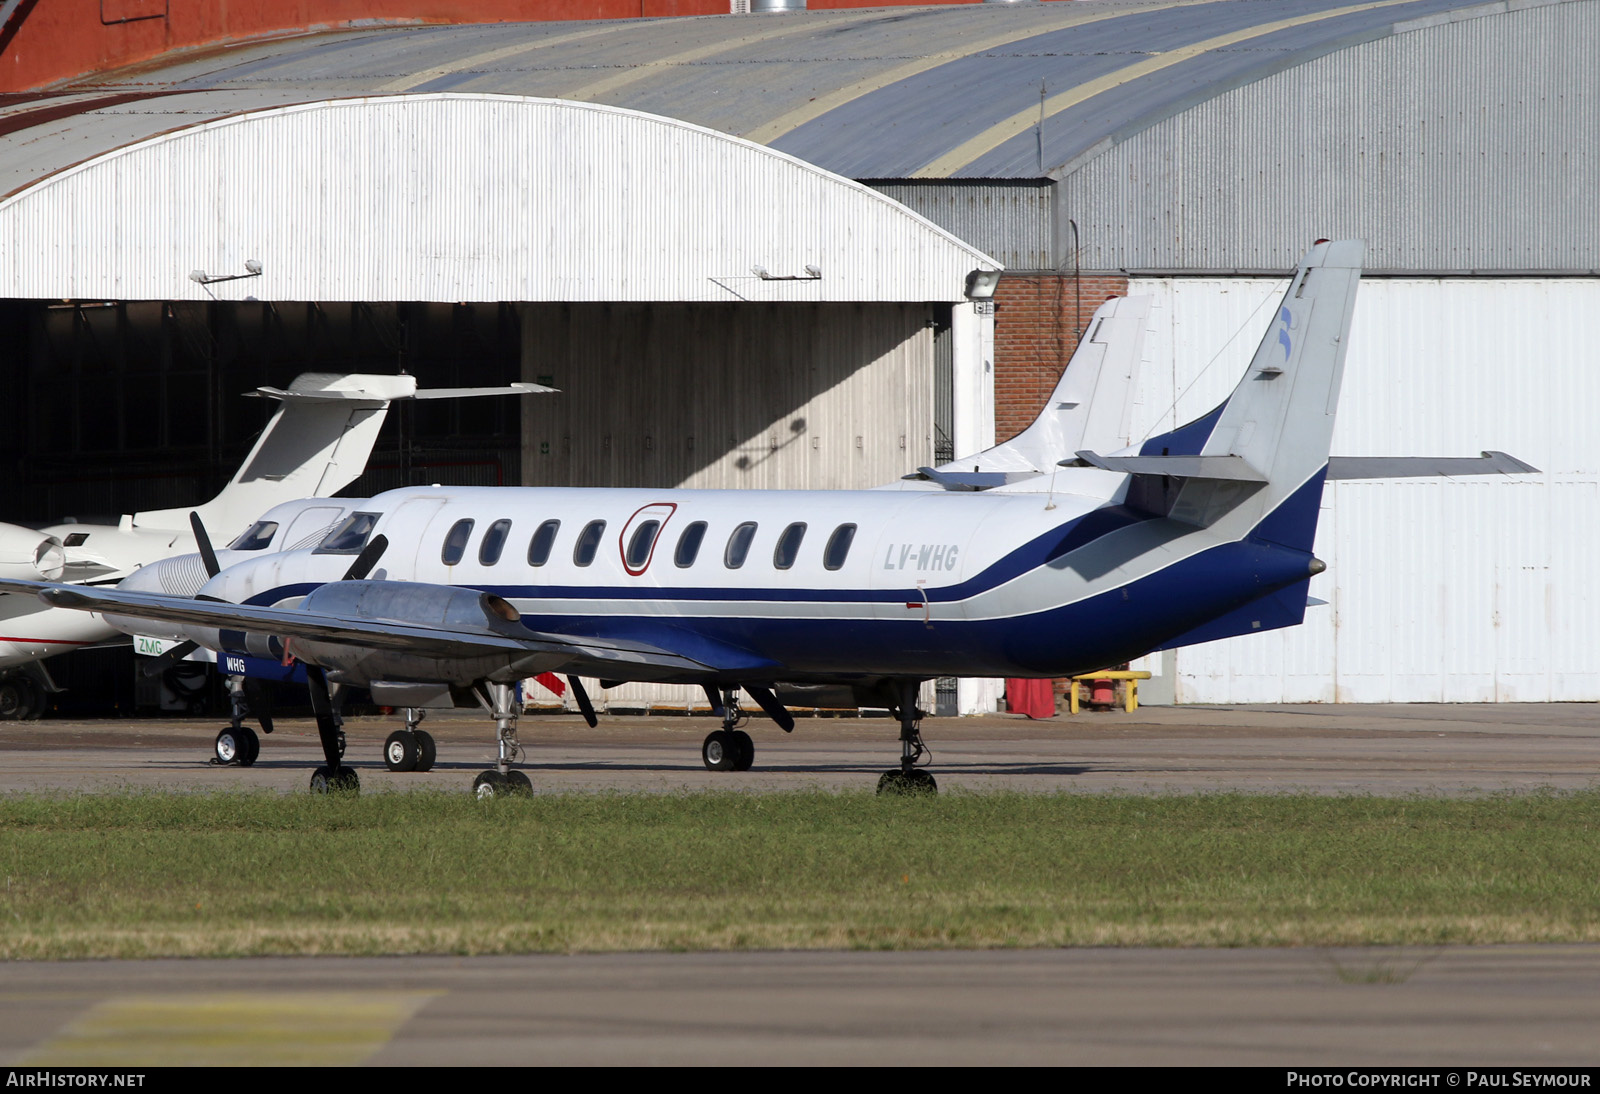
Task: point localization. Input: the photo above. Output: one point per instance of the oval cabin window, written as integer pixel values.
(543, 539)
(788, 548)
(588, 542)
(494, 542)
(739, 545)
(455, 542)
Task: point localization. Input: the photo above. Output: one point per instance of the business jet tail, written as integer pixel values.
(316, 443)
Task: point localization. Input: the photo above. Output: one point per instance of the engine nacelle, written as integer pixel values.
(383, 658)
(30, 555)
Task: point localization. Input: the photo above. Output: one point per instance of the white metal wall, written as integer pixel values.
(1438, 590)
(466, 197)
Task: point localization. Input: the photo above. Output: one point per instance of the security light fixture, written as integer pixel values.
(981, 284)
(251, 265)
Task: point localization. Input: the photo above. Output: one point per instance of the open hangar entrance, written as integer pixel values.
(715, 313)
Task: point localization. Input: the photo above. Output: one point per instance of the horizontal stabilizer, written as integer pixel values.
(971, 480)
(1212, 468)
(1412, 467)
(331, 387)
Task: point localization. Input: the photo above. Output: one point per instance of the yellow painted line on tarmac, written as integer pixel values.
(1024, 120)
(219, 1029)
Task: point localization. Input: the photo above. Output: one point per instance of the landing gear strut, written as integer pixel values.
(501, 780)
(909, 778)
(334, 775)
(729, 748)
(410, 749)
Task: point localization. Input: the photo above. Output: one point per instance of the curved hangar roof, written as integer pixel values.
(466, 197)
(964, 91)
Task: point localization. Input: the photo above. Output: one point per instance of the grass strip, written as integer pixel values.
(138, 875)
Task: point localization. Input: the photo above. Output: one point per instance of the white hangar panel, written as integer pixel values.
(1438, 590)
(466, 198)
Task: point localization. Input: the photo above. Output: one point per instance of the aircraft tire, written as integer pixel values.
(719, 752)
(489, 785)
(401, 751)
(13, 700)
(38, 702)
(229, 746)
(518, 784)
(427, 751)
(344, 779)
(249, 746)
(744, 748)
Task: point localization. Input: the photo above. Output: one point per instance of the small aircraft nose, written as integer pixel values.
(181, 575)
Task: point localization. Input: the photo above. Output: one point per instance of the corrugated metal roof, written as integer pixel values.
(953, 91)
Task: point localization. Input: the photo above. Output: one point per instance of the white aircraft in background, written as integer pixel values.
(1040, 561)
(316, 443)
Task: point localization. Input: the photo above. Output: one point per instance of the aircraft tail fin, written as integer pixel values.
(1092, 404)
(1255, 465)
(316, 443)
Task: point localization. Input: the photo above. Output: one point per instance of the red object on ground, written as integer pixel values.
(553, 682)
(1035, 698)
(1103, 693)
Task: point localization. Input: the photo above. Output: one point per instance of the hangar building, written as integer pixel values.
(685, 225)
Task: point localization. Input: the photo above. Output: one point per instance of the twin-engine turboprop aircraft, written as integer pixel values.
(1040, 558)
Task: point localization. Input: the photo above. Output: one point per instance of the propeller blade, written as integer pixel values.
(367, 559)
(157, 665)
(775, 710)
(583, 701)
(203, 541)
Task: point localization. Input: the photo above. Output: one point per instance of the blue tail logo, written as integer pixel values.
(1283, 335)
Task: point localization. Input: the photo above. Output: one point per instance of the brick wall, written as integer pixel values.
(1035, 334)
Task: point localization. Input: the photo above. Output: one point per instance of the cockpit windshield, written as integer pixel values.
(350, 535)
(256, 537)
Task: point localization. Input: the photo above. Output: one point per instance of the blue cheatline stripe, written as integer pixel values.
(1290, 525)
(1106, 629)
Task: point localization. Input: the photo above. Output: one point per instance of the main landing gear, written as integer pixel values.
(729, 748)
(909, 778)
(500, 780)
(334, 775)
(410, 749)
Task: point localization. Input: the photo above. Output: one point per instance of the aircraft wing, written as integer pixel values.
(586, 655)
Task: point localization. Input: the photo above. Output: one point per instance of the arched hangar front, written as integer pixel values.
(716, 313)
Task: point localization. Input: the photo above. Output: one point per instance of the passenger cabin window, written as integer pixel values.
(739, 545)
(639, 547)
(588, 542)
(494, 541)
(455, 542)
(543, 539)
(838, 548)
(256, 537)
(788, 548)
(349, 537)
(689, 544)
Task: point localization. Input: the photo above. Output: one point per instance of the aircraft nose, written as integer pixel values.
(181, 575)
